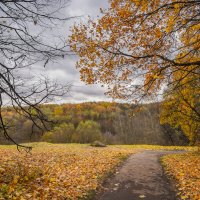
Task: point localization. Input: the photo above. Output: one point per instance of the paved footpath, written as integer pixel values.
(141, 177)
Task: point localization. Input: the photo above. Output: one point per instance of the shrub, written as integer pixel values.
(87, 132)
(60, 134)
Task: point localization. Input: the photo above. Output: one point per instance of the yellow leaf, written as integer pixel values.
(183, 197)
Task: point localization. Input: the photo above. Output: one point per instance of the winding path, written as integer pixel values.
(141, 177)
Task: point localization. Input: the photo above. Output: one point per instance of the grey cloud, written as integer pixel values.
(89, 90)
(64, 70)
(86, 7)
(87, 94)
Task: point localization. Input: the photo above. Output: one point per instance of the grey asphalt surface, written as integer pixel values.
(140, 177)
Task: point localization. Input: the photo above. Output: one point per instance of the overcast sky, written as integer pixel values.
(65, 70)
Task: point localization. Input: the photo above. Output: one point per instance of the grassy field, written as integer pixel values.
(60, 171)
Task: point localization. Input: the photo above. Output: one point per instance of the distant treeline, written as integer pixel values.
(112, 123)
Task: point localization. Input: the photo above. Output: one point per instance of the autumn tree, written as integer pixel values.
(138, 48)
(87, 132)
(25, 38)
(180, 108)
(60, 134)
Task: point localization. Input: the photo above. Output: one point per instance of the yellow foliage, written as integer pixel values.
(180, 108)
(140, 37)
(185, 169)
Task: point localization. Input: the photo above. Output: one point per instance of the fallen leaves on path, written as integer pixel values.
(56, 171)
(185, 168)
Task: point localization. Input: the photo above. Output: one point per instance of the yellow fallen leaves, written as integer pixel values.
(56, 171)
(158, 147)
(185, 168)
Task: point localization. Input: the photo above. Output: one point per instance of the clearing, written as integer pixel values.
(75, 171)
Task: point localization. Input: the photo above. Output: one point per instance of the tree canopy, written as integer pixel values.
(141, 48)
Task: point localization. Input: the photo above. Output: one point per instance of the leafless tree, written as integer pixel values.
(24, 42)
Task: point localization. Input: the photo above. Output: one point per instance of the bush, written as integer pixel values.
(48, 137)
(60, 134)
(87, 132)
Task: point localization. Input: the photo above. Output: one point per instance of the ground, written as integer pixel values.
(185, 170)
(141, 176)
(72, 171)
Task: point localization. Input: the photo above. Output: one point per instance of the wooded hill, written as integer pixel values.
(112, 123)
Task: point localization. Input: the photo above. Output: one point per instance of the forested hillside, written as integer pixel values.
(111, 123)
